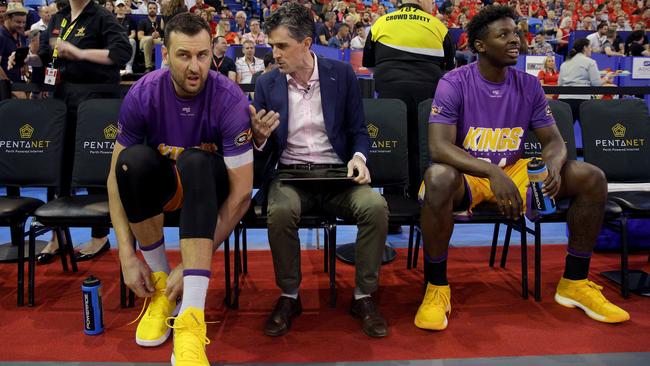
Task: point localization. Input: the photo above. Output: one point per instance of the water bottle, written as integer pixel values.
(537, 173)
(92, 299)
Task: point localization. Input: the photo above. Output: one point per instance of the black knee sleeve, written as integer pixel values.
(146, 181)
(205, 187)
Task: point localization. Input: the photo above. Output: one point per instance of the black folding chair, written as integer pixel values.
(31, 151)
(482, 214)
(615, 135)
(95, 137)
(533, 148)
(386, 122)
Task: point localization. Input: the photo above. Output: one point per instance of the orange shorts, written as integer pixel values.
(176, 201)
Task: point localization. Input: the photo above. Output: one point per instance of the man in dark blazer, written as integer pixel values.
(308, 121)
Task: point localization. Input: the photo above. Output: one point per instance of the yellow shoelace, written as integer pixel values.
(438, 299)
(593, 292)
(192, 349)
(155, 310)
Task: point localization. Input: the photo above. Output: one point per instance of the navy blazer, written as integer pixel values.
(342, 110)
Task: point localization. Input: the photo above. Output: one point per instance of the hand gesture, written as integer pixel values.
(68, 51)
(553, 181)
(506, 193)
(263, 123)
(11, 61)
(175, 283)
(155, 35)
(137, 276)
(363, 174)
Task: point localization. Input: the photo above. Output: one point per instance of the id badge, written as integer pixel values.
(51, 76)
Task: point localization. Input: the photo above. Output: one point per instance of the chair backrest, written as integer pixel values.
(424, 111)
(95, 139)
(388, 156)
(564, 121)
(31, 142)
(615, 137)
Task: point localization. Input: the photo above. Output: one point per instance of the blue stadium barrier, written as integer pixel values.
(626, 64)
(328, 52)
(608, 62)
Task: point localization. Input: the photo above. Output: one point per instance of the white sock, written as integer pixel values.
(156, 259)
(358, 294)
(195, 289)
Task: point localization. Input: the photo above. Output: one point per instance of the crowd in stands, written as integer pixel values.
(545, 25)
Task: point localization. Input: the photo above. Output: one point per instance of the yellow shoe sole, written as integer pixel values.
(570, 303)
(430, 326)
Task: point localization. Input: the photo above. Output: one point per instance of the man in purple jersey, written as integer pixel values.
(183, 145)
(479, 119)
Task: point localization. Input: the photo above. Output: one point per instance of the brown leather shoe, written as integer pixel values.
(373, 324)
(280, 320)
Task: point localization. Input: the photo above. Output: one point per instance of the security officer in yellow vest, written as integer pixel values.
(410, 50)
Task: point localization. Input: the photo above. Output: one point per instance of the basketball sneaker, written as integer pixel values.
(152, 329)
(190, 338)
(435, 306)
(587, 296)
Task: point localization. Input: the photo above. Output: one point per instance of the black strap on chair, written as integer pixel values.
(95, 139)
(388, 155)
(615, 138)
(564, 121)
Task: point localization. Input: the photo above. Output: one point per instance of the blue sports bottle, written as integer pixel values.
(92, 301)
(537, 173)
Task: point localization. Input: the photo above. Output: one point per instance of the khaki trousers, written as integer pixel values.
(358, 202)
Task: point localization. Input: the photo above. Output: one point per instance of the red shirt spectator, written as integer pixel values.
(548, 77)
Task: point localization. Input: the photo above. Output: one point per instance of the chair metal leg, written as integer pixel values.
(245, 249)
(326, 248)
(332, 259)
(70, 249)
(226, 260)
(538, 261)
(416, 251)
(524, 259)
(506, 245)
(17, 238)
(409, 258)
(625, 275)
(31, 267)
(122, 290)
(131, 302)
(495, 239)
(62, 249)
(238, 267)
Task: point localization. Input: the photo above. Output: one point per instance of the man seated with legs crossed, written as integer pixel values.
(183, 144)
(310, 118)
(479, 119)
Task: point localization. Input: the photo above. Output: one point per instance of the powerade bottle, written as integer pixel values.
(537, 173)
(92, 300)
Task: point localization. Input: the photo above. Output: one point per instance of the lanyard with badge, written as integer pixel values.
(214, 62)
(51, 72)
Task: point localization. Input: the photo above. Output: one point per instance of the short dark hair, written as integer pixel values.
(295, 17)
(185, 23)
(215, 40)
(268, 59)
(477, 28)
(578, 46)
(601, 25)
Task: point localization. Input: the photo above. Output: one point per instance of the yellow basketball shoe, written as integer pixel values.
(190, 338)
(152, 329)
(587, 296)
(435, 306)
